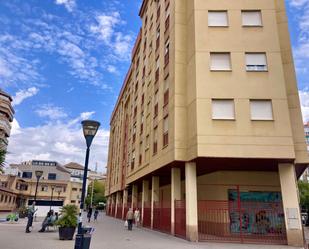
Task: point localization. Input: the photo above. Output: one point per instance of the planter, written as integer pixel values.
(66, 233)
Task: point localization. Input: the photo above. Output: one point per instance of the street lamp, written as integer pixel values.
(90, 129)
(51, 197)
(38, 174)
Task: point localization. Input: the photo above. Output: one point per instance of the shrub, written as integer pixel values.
(68, 216)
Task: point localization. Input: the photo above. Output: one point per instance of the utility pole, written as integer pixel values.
(91, 200)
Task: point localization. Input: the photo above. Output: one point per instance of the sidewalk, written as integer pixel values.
(109, 234)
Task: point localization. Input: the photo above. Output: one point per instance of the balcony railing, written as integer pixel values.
(6, 126)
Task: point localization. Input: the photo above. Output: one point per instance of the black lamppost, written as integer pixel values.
(90, 129)
(51, 197)
(38, 174)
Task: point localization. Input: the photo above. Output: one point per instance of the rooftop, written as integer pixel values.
(73, 165)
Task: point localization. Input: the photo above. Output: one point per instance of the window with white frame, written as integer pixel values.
(251, 18)
(220, 62)
(256, 62)
(217, 19)
(261, 110)
(223, 109)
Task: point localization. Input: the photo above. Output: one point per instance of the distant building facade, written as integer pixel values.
(6, 117)
(55, 187)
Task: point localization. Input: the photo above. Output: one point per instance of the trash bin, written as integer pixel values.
(82, 241)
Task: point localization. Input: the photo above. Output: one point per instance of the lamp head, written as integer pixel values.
(90, 129)
(38, 174)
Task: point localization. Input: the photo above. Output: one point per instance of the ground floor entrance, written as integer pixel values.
(223, 205)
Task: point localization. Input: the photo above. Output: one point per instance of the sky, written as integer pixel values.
(65, 60)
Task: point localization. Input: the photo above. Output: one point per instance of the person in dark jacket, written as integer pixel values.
(95, 215)
(89, 214)
(31, 212)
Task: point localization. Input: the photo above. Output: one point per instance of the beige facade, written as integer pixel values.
(54, 185)
(6, 117)
(211, 91)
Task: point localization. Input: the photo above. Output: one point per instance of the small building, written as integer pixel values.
(55, 187)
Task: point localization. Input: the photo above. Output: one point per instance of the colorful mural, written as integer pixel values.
(256, 212)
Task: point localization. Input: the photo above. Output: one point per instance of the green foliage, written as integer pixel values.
(22, 212)
(68, 216)
(98, 193)
(303, 188)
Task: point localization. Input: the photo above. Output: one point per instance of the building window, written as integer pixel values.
(74, 189)
(156, 105)
(167, 52)
(166, 93)
(27, 174)
(147, 142)
(158, 12)
(52, 176)
(157, 69)
(223, 109)
(133, 160)
(251, 18)
(167, 17)
(44, 188)
(217, 19)
(155, 140)
(140, 159)
(220, 62)
(134, 133)
(158, 38)
(256, 62)
(261, 110)
(165, 131)
(142, 123)
(23, 187)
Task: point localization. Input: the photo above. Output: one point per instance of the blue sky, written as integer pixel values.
(65, 60)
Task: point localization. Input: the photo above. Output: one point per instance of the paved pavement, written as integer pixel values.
(109, 234)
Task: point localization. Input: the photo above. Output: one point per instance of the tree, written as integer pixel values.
(98, 193)
(303, 188)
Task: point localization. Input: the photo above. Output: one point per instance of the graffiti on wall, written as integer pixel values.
(256, 212)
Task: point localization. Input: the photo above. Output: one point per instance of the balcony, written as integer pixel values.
(5, 126)
(7, 108)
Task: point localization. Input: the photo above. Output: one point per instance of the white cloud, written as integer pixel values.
(68, 4)
(21, 95)
(52, 112)
(111, 69)
(86, 115)
(62, 142)
(107, 29)
(298, 3)
(304, 100)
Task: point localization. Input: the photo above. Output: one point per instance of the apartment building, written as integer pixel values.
(54, 187)
(6, 117)
(206, 137)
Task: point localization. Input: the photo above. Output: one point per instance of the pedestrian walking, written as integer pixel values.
(130, 217)
(95, 215)
(137, 217)
(31, 212)
(89, 214)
